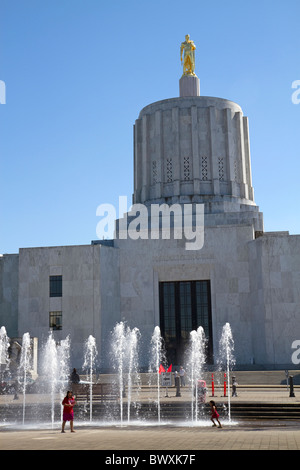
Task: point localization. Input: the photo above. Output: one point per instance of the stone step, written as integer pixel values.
(168, 411)
(243, 377)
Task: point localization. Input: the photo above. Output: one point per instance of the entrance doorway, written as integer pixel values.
(184, 306)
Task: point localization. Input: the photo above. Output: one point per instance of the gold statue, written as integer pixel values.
(189, 56)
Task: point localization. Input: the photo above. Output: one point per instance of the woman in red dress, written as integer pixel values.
(68, 412)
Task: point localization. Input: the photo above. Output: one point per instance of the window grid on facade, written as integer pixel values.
(221, 169)
(154, 172)
(184, 306)
(186, 168)
(204, 169)
(236, 171)
(169, 171)
(55, 320)
(55, 287)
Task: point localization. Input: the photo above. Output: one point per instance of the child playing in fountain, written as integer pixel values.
(214, 414)
(68, 412)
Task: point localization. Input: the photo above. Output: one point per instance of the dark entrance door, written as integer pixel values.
(184, 306)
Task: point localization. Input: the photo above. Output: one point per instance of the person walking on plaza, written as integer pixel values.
(68, 412)
(214, 414)
(182, 376)
(234, 385)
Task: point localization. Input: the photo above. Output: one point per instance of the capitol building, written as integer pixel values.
(191, 252)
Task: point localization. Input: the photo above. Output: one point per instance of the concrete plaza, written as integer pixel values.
(176, 437)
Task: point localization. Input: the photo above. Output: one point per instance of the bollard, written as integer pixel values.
(177, 385)
(291, 379)
(212, 385)
(224, 385)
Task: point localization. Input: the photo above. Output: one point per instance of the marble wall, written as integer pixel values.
(9, 287)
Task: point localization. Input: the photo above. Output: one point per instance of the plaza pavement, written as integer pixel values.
(176, 438)
(244, 436)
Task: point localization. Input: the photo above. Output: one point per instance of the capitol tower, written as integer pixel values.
(195, 149)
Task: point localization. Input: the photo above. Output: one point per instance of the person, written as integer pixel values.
(182, 376)
(214, 414)
(68, 412)
(177, 383)
(75, 379)
(234, 385)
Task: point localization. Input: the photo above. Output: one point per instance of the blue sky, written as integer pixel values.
(77, 74)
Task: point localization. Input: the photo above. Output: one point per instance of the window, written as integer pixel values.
(186, 168)
(55, 286)
(204, 169)
(55, 320)
(154, 172)
(221, 169)
(169, 170)
(184, 306)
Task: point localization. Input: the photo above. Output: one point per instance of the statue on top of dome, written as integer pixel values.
(188, 60)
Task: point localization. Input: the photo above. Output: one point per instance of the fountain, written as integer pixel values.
(157, 357)
(63, 355)
(133, 374)
(4, 357)
(90, 354)
(118, 348)
(226, 358)
(54, 369)
(196, 360)
(5, 375)
(124, 348)
(50, 369)
(24, 367)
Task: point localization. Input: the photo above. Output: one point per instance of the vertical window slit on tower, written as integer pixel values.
(221, 168)
(186, 168)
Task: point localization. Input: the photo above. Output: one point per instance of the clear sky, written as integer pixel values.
(78, 72)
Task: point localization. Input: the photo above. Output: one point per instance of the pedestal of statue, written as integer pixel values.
(189, 85)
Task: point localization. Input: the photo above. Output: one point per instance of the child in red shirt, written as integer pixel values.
(214, 414)
(68, 412)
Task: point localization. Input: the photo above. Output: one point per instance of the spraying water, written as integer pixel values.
(24, 367)
(55, 369)
(50, 367)
(63, 354)
(4, 356)
(196, 361)
(156, 358)
(118, 348)
(125, 358)
(125, 346)
(132, 341)
(90, 354)
(226, 348)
